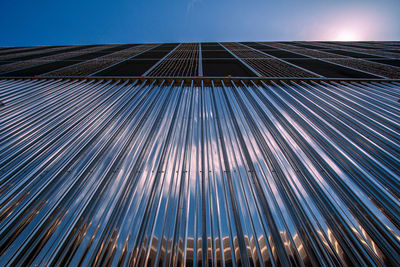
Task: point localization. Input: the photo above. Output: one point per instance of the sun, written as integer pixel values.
(347, 35)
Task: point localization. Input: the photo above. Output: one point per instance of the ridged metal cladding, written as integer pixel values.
(98, 172)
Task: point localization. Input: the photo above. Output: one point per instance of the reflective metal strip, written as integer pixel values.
(140, 172)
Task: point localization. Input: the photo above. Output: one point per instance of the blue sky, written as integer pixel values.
(45, 22)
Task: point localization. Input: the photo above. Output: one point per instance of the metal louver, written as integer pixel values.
(165, 172)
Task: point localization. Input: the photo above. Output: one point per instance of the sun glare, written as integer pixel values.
(351, 25)
(347, 35)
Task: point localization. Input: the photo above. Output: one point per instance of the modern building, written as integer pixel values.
(222, 154)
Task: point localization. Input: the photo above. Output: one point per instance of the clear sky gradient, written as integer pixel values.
(53, 22)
